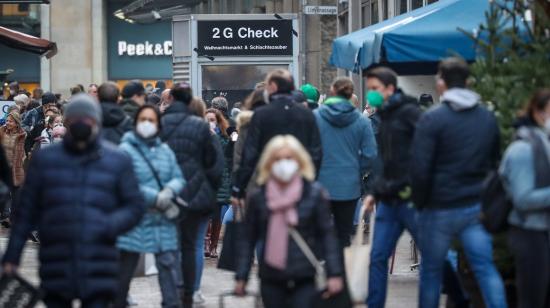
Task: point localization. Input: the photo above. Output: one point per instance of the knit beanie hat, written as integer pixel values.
(220, 103)
(83, 106)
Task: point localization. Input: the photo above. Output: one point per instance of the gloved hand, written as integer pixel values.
(172, 212)
(164, 198)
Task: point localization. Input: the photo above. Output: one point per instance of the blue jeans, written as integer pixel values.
(437, 229)
(199, 257)
(391, 220)
(228, 215)
(168, 266)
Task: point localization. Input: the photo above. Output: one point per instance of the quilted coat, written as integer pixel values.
(79, 202)
(199, 155)
(155, 233)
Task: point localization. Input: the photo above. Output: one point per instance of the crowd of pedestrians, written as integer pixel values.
(113, 173)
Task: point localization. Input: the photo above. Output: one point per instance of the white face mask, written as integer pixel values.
(146, 129)
(284, 169)
(212, 125)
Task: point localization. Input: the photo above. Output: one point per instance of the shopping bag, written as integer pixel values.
(17, 292)
(357, 260)
(224, 296)
(340, 300)
(228, 256)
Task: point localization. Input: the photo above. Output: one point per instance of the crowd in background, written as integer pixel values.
(147, 169)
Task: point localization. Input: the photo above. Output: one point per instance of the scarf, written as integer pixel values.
(281, 203)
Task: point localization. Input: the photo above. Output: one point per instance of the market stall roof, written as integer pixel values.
(22, 41)
(427, 34)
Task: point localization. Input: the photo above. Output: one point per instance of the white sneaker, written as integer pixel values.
(198, 298)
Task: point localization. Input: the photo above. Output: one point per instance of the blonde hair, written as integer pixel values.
(197, 106)
(307, 170)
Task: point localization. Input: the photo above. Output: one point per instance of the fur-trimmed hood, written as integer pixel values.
(244, 118)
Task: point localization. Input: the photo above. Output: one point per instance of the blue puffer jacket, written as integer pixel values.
(79, 203)
(155, 233)
(349, 148)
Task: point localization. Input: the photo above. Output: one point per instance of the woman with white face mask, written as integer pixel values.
(288, 198)
(160, 180)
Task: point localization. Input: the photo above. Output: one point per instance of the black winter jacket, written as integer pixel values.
(79, 203)
(199, 155)
(314, 225)
(398, 119)
(280, 117)
(452, 153)
(115, 122)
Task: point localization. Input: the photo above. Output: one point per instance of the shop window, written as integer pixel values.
(417, 4)
(21, 17)
(234, 82)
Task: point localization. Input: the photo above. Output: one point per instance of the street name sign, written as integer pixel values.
(320, 10)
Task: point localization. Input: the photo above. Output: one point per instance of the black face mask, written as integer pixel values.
(80, 131)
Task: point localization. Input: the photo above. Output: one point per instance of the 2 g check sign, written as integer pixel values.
(245, 38)
(245, 33)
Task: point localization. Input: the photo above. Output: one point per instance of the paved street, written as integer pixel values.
(402, 286)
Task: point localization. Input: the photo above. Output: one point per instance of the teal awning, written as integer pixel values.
(427, 34)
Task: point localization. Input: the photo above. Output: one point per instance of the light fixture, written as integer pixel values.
(119, 14)
(156, 15)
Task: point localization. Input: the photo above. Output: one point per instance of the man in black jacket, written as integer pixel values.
(115, 121)
(455, 145)
(398, 115)
(95, 198)
(201, 160)
(280, 117)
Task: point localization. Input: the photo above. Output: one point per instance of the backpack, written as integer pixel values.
(496, 205)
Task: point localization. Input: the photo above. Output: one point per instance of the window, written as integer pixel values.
(21, 17)
(374, 12)
(432, 1)
(365, 14)
(401, 6)
(417, 4)
(234, 82)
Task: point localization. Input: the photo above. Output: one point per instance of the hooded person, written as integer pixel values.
(349, 149)
(95, 199)
(456, 144)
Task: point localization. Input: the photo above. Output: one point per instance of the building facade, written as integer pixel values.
(95, 44)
